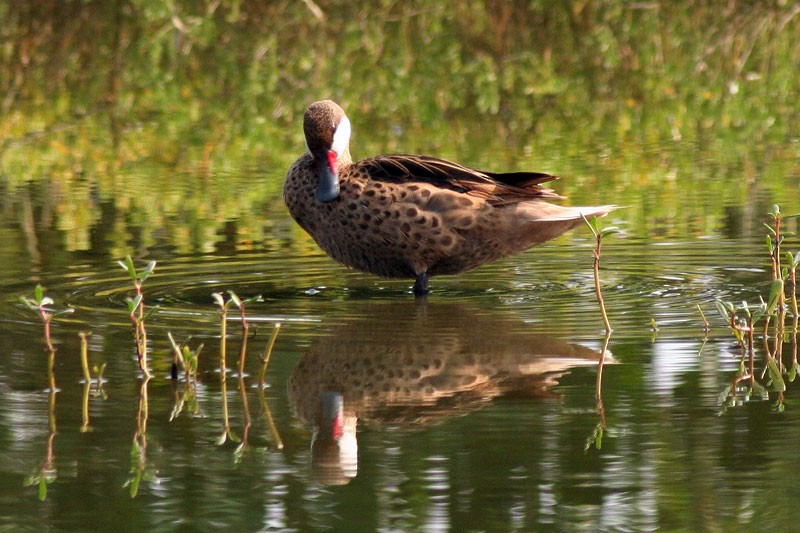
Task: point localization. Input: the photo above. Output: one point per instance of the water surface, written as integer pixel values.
(472, 411)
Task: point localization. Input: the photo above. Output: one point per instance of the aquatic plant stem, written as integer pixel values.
(597, 289)
(267, 355)
(598, 235)
(793, 291)
(51, 365)
(136, 309)
(223, 341)
(245, 333)
(87, 376)
(85, 408)
(141, 334)
(46, 318)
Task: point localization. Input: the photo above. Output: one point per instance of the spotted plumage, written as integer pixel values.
(412, 216)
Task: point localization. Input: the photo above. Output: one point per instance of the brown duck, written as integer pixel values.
(414, 216)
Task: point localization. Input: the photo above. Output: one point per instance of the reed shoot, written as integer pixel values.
(136, 309)
(598, 235)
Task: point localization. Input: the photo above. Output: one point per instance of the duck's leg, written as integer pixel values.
(421, 284)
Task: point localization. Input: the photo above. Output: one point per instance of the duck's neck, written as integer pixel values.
(345, 158)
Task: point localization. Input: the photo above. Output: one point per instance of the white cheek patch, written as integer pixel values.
(341, 137)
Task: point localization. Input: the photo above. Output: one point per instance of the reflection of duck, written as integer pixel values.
(415, 364)
(410, 216)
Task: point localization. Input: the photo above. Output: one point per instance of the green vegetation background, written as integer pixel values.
(123, 118)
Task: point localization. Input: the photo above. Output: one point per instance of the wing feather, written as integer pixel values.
(496, 187)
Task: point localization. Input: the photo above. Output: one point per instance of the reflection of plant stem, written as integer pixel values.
(706, 326)
(795, 364)
(246, 410)
(243, 350)
(599, 384)
(139, 447)
(596, 438)
(227, 432)
(270, 422)
(143, 410)
(226, 425)
(87, 386)
(267, 355)
(87, 376)
(51, 423)
(46, 473)
(49, 472)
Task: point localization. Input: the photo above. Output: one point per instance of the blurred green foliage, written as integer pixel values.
(130, 117)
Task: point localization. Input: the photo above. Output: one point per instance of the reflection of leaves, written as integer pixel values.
(188, 400)
(737, 392)
(793, 370)
(595, 439)
(238, 453)
(140, 470)
(775, 381)
(227, 435)
(527, 88)
(42, 476)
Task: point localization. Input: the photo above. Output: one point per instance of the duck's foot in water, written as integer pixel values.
(421, 285)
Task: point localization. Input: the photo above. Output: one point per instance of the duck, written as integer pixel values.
(410, 216)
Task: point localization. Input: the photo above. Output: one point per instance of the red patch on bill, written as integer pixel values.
(333, 162)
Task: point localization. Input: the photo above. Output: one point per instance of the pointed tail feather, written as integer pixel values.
(546, 212)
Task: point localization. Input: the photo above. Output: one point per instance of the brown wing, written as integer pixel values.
(497, 187)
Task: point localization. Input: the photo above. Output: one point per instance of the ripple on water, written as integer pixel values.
(552, 284)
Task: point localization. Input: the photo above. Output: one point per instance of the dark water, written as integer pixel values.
(474, 412)
(167, 139)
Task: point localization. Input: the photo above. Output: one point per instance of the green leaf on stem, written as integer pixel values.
(148, 270)
(775, 293)
(218, 299)
(235, 299)
(133, 303)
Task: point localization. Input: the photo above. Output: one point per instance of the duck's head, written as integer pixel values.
(327, 131)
